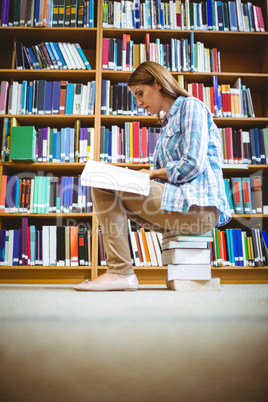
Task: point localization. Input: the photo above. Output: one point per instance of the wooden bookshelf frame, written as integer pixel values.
(243, 54)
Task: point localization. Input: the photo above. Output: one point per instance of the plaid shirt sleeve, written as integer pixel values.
(192, 138)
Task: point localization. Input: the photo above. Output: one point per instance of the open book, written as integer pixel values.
(110, 177)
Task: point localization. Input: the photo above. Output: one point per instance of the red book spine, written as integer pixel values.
(74, 245)
(3, 193)
(195, 89)
(105, 53)
(144, 145)
(63, 93)
(229, 144)
(212, 100)
(136, 141)
(200, 91)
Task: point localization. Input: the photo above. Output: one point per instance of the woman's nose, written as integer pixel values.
(139, 103)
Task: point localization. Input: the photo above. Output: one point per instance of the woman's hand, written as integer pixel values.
(149, 172)
(156, 174)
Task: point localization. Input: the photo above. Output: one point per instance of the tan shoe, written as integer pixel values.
(107, 282)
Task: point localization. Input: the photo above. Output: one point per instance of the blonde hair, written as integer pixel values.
(149, 71)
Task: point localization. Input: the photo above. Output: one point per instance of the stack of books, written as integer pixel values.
(188, 259)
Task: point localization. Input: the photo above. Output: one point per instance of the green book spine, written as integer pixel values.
(265, 138)
(16, 20)
(47, 194)
(35, 197)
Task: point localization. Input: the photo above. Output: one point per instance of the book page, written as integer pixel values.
(104, 175)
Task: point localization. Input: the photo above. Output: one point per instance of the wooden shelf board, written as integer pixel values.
(48, 215)
(81, 76)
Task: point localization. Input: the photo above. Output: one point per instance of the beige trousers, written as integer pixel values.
(113, 208)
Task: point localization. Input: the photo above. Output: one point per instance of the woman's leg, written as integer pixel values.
(113, 209)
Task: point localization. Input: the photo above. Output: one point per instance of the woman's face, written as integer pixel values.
(149, 97)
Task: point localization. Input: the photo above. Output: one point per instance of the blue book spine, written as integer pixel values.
(215, 93)
(48, 100)
(262, 147)
(67, 145)
(54, 157)
(30, 98)
(60, 59)
(24, 97)
(33, 58)
(209, 14)
(62, 193)
(236, 253)
(55, 97)
(16, 248)
(37, 7)
(192, 50)
(58, 64)
(62, 144)
(82, 54)
(250, 16)
(71, 192)
(58, 147)
(71, 145)
(265, 238)
(228, 195)
(103, 97)
(92, 98)
(69, 99)
(17, 195)
(232, 16)
(240, 248)
(91, 14)
(231, 247)
(257, 146)
(252, 146)
(110, 147)
(32, 244)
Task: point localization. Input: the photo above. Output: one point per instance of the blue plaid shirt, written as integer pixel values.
(189, 148)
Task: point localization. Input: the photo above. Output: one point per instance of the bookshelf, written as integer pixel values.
(243, 54)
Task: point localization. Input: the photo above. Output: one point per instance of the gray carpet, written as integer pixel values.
(151, 345)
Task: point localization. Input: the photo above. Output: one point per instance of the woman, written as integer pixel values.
(187, 193)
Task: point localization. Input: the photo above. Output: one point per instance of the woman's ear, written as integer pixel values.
(156, 83)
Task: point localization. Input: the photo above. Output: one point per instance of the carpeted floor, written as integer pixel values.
(151, 345)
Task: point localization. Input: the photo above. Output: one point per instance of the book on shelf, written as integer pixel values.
(44, 97)
(44, 194)
(180, 15)
(124, 143)
(102, 175)
(239, 247)
(224, 100)
(23, 144)
(49, 246)
(145, 245)
(123, 54)
(4, 88)
(69, 144)
(246, 195)
(29, 13)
